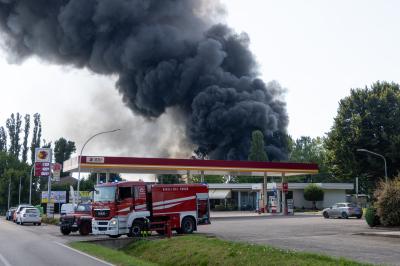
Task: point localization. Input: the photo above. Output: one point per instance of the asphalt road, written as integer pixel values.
(39, 246)
(335, 237)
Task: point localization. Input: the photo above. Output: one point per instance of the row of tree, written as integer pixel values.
(14, 154)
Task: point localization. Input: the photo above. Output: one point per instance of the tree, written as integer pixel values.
(257, 150)
(11, 169)
(63, 150)
(26, 135)
(311, 150)
(13, 125)
(169, 179)
(36, 136)
(3, 139)
(367, 119)
(313, 193)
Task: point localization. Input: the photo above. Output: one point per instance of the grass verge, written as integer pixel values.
(113, 256)
(50, 220)
(200, 250)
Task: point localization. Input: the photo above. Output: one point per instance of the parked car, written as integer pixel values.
(10, 213)
(29, 215)
(19, 209)
(67, 208)
(343, 210)
(80, 220)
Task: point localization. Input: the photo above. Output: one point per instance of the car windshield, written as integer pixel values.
(83, 208)
(352, 205)
(104, 194)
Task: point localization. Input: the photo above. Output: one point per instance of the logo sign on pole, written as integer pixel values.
(43, 158)
(42, 155)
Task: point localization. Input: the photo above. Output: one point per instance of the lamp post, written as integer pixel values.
(80, 155)
(379, 155)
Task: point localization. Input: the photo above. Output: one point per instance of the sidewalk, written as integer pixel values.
(383, 232)
(223, 215)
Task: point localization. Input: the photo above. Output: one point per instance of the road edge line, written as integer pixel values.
(83, 253)
(4, 261)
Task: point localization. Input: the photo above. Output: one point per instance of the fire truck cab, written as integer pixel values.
(129, 208)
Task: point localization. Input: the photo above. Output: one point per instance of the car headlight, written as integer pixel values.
(113, 222)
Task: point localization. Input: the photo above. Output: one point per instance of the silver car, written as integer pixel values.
(343, 210)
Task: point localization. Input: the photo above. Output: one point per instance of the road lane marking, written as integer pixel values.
(82, 253)
(4, 261)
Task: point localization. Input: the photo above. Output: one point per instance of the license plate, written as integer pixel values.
(32, 215)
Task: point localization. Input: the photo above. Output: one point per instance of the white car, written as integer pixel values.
(29, 215)
(18, 211)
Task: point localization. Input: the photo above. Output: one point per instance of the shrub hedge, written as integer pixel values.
(388, 202)
(371, 217)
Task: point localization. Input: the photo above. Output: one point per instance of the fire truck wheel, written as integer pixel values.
(136, 229)
(65, 230)
(187, 226)
(84, 229)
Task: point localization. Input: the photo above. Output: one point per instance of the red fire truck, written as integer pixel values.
(129, 208)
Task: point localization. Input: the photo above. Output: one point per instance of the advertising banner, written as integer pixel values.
(85, 196)
(56, 197)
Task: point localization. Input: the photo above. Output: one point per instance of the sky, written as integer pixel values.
(315, 49)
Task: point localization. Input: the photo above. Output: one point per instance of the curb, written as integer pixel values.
(379, 234)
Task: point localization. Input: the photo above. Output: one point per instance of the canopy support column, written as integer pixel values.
(97, 178)
(264, 193)
(283, 195)
(202, 177)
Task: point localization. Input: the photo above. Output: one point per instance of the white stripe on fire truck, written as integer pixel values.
(166, 206)
(124, 210)
(140, 206)
(173, 201)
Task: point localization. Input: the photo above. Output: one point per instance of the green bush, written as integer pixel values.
(371, 217)
(388, 202)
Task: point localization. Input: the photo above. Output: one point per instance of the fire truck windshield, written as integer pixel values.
(104, 194)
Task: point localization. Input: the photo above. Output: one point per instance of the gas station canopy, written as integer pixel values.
(103, 164)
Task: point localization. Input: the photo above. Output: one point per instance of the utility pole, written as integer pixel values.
(19, 192)
(9, 192)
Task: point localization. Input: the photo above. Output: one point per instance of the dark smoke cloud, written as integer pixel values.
(165, 54)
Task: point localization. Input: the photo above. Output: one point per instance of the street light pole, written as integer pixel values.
(379, 155)
(80, 155)
(30, 185)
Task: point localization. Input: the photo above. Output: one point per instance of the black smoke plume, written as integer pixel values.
(166, 54)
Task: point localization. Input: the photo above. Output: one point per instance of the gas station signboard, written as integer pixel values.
(42, 169)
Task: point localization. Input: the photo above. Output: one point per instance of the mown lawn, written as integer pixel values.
(200, 250)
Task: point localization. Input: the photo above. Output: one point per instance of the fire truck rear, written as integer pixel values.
(129, 208)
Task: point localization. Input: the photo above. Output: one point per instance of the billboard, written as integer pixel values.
(56, 197)
(85, 196)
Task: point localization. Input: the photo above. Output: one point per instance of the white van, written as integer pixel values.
(67, 208)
